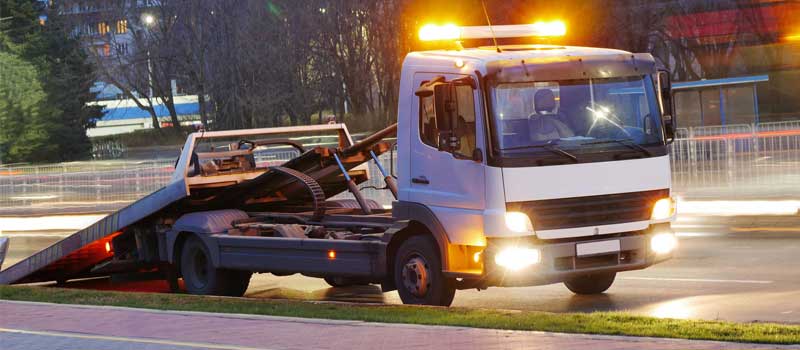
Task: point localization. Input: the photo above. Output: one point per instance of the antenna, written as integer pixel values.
(489, 22)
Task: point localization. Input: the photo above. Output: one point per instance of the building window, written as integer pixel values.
(122, 26)
(102, 28)
(122, 49)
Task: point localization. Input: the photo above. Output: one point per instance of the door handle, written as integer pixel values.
(420, 180)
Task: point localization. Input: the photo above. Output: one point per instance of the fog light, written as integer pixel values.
(663, 243)
(518, 222)
(516, 258)
(663, 209)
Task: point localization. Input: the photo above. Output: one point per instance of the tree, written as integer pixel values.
(24, 113)
(55, 66)
(141, 61)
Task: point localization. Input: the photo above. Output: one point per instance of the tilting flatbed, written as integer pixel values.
(90, 252)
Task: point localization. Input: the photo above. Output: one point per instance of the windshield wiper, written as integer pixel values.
(549, 147)
(625, 142)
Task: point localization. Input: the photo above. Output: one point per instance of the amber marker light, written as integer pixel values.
(331, 254)
(433, 32)
(550, 28)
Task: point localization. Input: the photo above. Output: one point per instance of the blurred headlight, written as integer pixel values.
(516, 258)
(663, 243)
(518, 222)
(663, 209)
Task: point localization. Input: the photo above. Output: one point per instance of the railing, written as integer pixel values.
(110, 185)
(107, 185)
(725, 162)
(738, 161)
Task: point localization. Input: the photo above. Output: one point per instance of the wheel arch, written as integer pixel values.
(201, 225)
(420, 221)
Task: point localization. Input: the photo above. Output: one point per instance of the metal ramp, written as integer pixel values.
(74, 255)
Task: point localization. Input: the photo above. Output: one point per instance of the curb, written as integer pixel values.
(357, 323)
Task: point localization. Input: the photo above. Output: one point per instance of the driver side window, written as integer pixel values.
(464, 128)
(461, 138)
(428, 131)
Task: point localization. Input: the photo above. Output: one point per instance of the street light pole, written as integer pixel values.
(149, 75)
(149, 20)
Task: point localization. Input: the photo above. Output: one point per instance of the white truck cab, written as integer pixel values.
(546, 163)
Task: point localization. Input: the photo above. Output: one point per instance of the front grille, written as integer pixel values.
(589, 211)
(568, 263)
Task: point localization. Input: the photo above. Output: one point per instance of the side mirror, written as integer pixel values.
(445, 105)
(426, 88)
(667, 106)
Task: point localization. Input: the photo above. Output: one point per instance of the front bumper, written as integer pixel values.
(560, 262)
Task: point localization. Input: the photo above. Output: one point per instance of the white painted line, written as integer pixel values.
(730, 208)
(35, 235)
(698, 234)
(130, 340)
(44, 223)
(695, 280)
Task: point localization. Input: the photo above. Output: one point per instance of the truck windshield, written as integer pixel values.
(580, 117)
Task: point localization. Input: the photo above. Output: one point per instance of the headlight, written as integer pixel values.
(663, 243)
(516, 258)
(518, 222)
(663, 209)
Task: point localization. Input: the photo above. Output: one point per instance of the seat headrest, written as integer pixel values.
(545, 101)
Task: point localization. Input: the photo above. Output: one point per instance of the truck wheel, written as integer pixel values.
(202, 278)
(418, 273)
(591, 284)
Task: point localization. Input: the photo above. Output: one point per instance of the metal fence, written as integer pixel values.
(105, 185)
(725, 162)
(738, 161)
(110, 185)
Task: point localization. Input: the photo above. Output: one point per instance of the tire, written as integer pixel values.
(418, 273)
(591, 284)
(200, 277)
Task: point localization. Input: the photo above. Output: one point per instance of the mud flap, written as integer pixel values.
(3, 249)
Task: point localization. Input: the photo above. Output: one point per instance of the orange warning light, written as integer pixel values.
(331, 254)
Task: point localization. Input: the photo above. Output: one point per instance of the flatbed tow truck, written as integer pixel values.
(518, 165)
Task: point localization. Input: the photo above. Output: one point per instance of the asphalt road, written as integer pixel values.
(719, 272)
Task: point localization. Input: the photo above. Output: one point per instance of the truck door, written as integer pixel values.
(448, 179)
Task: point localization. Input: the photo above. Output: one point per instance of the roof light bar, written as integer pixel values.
(432, 32)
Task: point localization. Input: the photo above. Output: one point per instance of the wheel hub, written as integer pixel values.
(416, 276)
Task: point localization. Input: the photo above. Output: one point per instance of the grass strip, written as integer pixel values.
(608, 323)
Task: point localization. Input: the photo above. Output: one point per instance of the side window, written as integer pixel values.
(428, 131)
(460, 140)
(464, 128)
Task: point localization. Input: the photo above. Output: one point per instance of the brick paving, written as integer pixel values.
(40, 325)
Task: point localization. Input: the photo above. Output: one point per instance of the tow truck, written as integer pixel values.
(519, 165)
